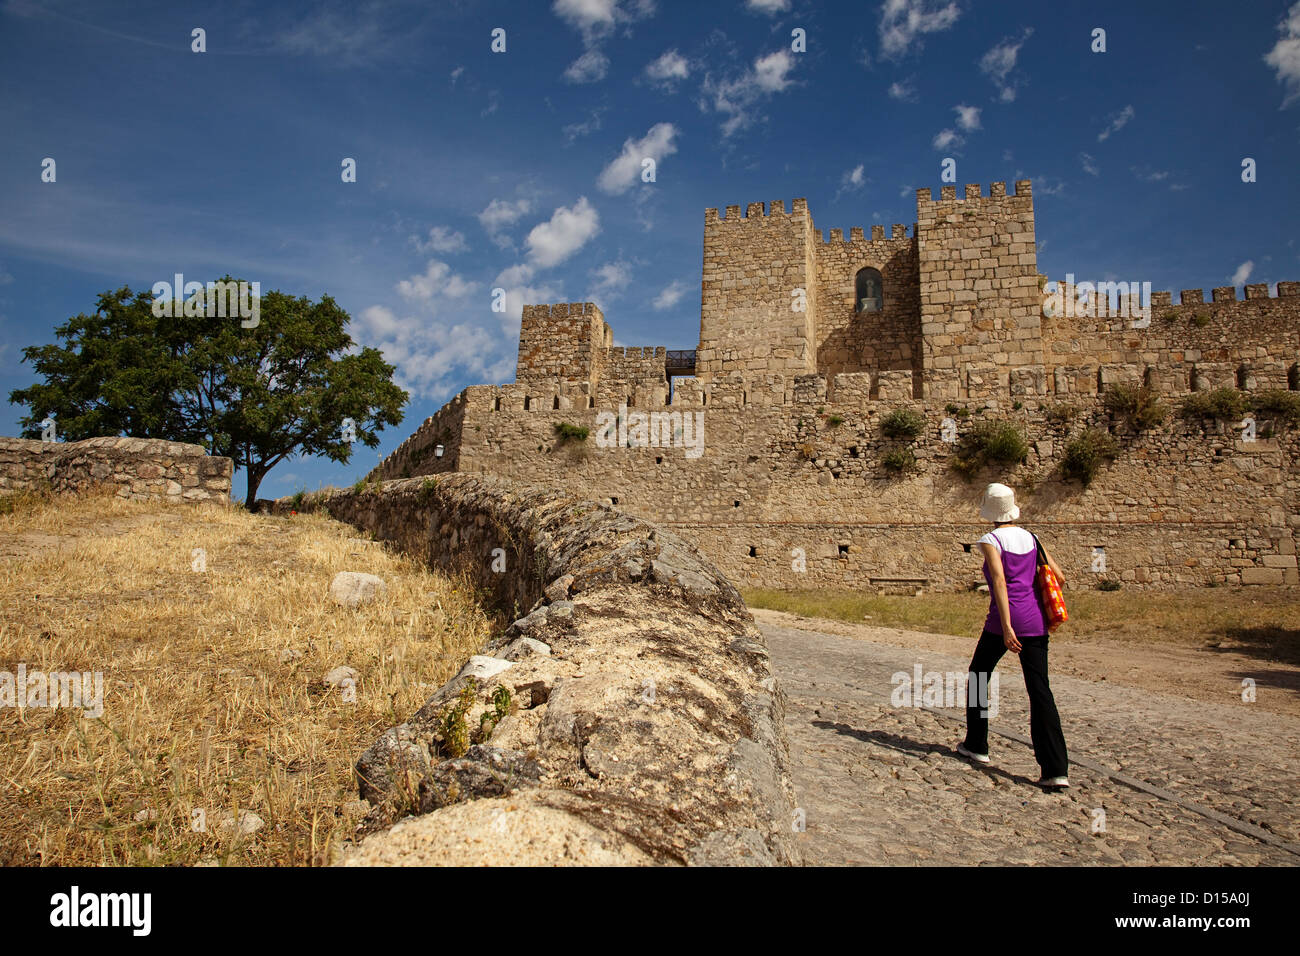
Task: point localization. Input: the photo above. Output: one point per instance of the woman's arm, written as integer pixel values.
(998, 575)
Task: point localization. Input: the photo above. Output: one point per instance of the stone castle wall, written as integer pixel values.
(136, 467)
(793, 455)
(889, 339)
(1188, 503)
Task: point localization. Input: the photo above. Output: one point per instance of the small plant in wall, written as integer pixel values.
(1221, 404)
(835, 421)
(1085, 454)
(991, 441)
(898, 460)
(1279, 406)
(1136, 406)
(903, 423)
(567, 432)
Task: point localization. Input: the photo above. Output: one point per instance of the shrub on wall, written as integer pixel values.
(566, 432)
(1280, 405)
(990, 441)
(1224, 404)
(1138, 406)
(1085, 454)
(899, 459)
(903, 423)
(1061, 413)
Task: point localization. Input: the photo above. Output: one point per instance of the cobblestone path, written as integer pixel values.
(1180, 782)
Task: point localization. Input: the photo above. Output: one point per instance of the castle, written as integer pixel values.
(807, 344)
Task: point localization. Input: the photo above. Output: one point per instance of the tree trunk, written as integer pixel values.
(255, 476)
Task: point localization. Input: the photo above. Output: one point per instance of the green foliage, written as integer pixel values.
(1061, 413)
(360, 487)
(298, 498)
(1201, 319)
(957, 411)
(1085, 454)
(1000, 442)
(1138, 406)
(455, 732)
(1109, 585)
(1224, 404)
(835, 421)
(567, 432)
(903, 423)
(899, 459)
(1280, 405)
(500, 707)
(427, 488)
(257, 395)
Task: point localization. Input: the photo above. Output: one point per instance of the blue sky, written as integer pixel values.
(521, 170)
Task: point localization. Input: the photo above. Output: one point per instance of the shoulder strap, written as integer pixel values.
(1042, 555)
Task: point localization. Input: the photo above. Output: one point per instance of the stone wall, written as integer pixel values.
(871, 341)
(565, 342)
(136, 467)
(646, 727)
(752, 267)
(775, 478)
(980, 303)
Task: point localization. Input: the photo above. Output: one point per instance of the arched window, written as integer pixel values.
(868, 291)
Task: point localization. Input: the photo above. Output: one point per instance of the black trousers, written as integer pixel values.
(1044, 721)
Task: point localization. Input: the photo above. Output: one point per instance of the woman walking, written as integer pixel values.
(1015, 623)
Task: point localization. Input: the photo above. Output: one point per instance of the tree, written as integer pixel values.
(257, 395)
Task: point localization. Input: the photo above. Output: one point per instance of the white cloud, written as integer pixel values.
(670, 67)
(456, 74)
(1117, 122)
(1243, 272)
(902, 90)
(968, 117)
(669, 296)
(903, 22)
(768, 7)
(436, 282)
(1000, 60)
(610, 281)
(1285, 56)
(624, 171)
(852, 180)
(591, 67)
(500, 214)
(738, 96)
(441, 239)
(1089, 164)
(586, 127)
(568, 230)
(594, 17)
(948, 139)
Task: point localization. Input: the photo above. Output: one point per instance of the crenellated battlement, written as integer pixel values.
(1024, 190)
(857, 235)
(756, 210)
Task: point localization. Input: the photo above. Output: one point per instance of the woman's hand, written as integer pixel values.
(1010, 640)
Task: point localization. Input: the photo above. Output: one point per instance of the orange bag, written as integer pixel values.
(1049, 591)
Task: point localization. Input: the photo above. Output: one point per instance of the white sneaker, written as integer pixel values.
(1058, 782)
(978, 758)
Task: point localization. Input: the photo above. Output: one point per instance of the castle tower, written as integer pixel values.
(981, 318)
(758, 295)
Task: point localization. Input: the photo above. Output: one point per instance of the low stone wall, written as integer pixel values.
(138, 467)
(644, 723)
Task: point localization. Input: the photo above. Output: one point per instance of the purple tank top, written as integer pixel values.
(1022, 598)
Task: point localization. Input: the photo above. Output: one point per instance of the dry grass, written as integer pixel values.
(202, 708)
(1265, 619)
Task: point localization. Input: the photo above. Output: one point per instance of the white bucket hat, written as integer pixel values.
(999, 504)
